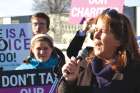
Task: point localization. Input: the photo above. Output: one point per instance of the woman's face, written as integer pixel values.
(104, 41)
(41, 50)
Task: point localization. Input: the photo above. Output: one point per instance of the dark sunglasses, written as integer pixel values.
(110, 12)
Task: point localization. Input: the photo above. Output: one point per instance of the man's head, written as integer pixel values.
(40, 23)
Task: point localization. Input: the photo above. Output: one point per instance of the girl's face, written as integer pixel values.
(104, 41)
(41, 50)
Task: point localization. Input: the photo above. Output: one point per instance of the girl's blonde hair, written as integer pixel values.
(42, 37)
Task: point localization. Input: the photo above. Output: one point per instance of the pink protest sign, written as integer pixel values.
(91, 8)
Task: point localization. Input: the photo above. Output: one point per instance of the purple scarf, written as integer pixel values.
(102, 72)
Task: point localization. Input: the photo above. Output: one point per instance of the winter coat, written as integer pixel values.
(87, 81)
(54, 63)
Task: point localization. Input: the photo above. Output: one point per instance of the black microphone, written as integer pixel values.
(79, 58)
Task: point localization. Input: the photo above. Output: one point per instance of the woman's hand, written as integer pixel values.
(88, 25)
(70, 70)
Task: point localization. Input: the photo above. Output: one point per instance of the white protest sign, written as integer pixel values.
(14, 44)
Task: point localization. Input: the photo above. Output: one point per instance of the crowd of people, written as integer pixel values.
(110, 65)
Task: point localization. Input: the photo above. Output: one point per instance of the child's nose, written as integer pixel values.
(42, 51)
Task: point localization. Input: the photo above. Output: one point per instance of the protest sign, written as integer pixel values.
(14, 44)
(91, 8)
(28, 81)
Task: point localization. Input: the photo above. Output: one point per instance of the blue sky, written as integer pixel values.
(15, 7)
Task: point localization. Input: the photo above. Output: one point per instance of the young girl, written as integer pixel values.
(43, 55)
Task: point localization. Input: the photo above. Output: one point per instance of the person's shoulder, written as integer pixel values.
(136, 63)
(134, 68)
(58, 51)
(24, 66)
(59, 54)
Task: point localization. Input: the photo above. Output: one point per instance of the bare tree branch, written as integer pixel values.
(52, 6)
